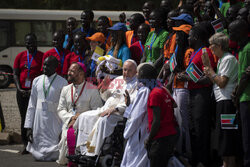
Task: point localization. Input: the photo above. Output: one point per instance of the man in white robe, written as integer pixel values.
(70, 108)
(44, 125)
(94, 126)
(135, 132)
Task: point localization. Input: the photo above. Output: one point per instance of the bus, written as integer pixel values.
(15, 23)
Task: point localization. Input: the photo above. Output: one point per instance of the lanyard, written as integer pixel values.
(132, 39)
(192, 57)
(88, 34)
(106, 40)
(176, 49)
(152, 42)
(44, 89)
(30, 61)
(142, 50)
(61, 58)
(83, 55)
(72, 98)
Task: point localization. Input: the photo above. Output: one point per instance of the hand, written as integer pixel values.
(147, 144)
(107, 112)
(73, 119)
(75, 116)
(206, 71)
(71, 123)
(205, 60)
(235, 98)
(104, 84)
(127, 98)
(29, 135)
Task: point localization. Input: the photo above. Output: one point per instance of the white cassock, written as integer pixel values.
(90, 99)
(43, 119)
(93, 129)
(135, 154)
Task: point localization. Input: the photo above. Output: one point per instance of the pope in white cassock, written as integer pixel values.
(44, 125)
(76, 98)
(135, 132)
(94, 126)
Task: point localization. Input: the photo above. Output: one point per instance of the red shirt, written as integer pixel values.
(21, 63)
(73, 57)
(196, 59)
(137, 51)
(53, 52)
(161, 98)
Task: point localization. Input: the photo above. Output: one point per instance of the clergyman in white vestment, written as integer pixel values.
(94, 126)
(135, 132)
(44, 125)
(85, 97)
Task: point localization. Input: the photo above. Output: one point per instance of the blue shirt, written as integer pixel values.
(123, 53)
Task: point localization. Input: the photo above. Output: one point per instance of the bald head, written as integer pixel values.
(129, 69)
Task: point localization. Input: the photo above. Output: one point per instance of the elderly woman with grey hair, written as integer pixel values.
(224, 79)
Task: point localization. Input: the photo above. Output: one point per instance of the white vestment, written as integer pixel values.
(135, 154)
(93, 129)
(43, 119)
(89, 100)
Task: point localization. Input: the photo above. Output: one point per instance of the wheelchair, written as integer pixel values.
(111, 152)
(113, 147)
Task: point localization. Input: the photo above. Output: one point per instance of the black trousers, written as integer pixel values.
(200, 125)
(245, 122)
(161, 150)
(22, 102)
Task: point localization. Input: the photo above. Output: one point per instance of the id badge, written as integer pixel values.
(45, 106)
(74, 111)
(27, 83)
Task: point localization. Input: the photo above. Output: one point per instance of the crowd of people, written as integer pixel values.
(179, 76)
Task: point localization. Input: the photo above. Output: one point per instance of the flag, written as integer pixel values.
(227, 121)
(97, 53)
(172, 62)
(194, 72)
(217, 25)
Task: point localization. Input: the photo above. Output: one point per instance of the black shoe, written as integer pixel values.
(24, 151)
(74, 158)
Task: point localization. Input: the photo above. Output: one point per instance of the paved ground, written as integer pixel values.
(10, 109)
(9, 157)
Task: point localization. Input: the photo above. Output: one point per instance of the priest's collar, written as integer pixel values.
(79, 85)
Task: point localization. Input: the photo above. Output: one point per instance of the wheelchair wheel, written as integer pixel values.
(108, 161)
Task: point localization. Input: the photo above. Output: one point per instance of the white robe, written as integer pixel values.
(89, 100)
(135, 154)
(45, 123)
(93, 129)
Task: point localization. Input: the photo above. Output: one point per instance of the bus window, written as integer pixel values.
(4, 34)
(21, 29)
(60, 26)
(43, 31)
